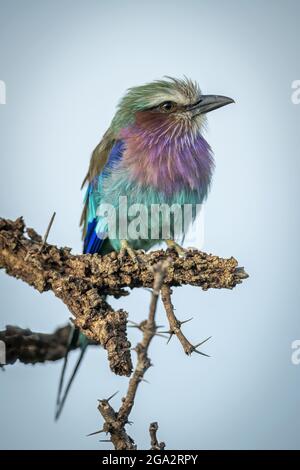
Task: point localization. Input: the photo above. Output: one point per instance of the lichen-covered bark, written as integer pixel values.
(83, 281)
(49, 269)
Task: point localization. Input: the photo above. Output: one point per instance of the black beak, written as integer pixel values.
(208, 103)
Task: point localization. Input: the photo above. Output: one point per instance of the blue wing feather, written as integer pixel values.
(96, 226)
(96, 233)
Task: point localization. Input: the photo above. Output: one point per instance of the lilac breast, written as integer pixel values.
(167, 162)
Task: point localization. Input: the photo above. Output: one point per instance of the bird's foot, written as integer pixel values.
(182, 252)
(127, 250)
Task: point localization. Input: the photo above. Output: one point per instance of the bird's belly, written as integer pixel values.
(147, 216)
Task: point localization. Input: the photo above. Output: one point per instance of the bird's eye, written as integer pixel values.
(168, 106)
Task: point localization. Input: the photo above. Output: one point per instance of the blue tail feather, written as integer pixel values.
(96, 234)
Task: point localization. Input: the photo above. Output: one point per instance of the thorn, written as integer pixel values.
(144, 380)
(170, 337)
(161, 335)
(96, 432)
(134, 324)
(108, 399)
(185, 321)
(47, 232)
(112, 396)
(201, 353)
(200, 344)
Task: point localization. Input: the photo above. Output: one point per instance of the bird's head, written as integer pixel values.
(171, 106)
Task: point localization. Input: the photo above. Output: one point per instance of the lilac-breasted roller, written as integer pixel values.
(153, 152)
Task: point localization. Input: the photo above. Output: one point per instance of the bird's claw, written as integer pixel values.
(127, 250)
(182, 252)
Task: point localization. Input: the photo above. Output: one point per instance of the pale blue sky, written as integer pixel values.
(65, 64)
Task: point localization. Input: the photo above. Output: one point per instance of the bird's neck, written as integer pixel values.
(166, 163)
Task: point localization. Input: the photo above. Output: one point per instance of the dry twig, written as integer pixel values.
(115, 422)
(175, 324)
(48, 231)
(155, 444)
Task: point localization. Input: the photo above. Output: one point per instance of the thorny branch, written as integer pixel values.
(175, 324)
(82, 282)
(114, 422)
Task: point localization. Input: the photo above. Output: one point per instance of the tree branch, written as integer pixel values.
(115, 422)
(175, 324)
(30, 347)
(155, 444)
(83, 281)
(149, 329)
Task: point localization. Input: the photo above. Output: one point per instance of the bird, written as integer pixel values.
(154, 152)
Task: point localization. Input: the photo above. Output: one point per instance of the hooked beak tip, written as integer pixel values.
(211, 102)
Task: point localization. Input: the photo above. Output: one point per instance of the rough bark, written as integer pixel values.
(31, 347)
(83, 281)
(115, 421)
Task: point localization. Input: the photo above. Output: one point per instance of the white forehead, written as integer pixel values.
(175, 95)
(183, 92)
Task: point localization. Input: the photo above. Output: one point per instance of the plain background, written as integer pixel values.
(66, 64)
